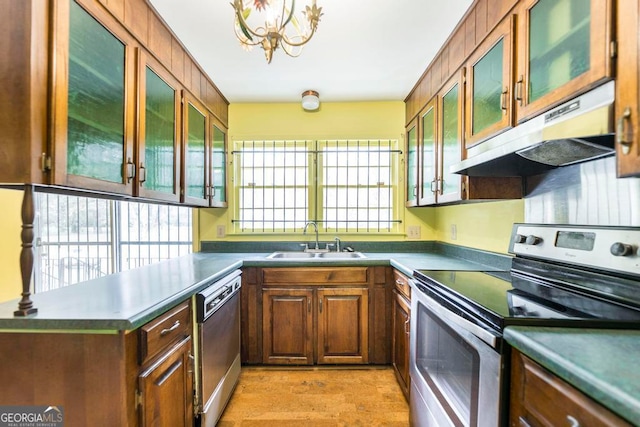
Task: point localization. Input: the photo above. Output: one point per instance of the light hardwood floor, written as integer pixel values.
(314, 397)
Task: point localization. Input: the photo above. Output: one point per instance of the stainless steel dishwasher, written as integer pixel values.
(217, 347)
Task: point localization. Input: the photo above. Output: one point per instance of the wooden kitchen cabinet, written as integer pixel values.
(401, 326)
(288, 326)
(541, 399)
(563, 49)
(95, 89)
(412, 162)
(308, 315)
(158, 148)
(489, 71)
(428, 150)
(627, 105)
(166, 389)
(343, 325)
(141, 377)
(218, 169)
(94, 95)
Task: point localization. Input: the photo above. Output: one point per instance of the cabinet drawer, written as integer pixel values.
(402, 284)
(158, 334)
(549, 401)
(320, 275)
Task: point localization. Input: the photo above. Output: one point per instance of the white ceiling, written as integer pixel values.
(363, 50)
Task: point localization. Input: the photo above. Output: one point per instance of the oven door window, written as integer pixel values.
(449, 365)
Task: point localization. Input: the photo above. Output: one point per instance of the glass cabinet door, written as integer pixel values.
(451, 141)
(97, 127)
(195, 158)
(412, 165)
(566, 50)
(158, 160)
(218, 167)
(489, 86)
(428, 169)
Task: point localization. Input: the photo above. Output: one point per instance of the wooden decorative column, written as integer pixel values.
(25, 306)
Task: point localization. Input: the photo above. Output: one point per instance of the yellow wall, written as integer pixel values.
(485, 226)
(346, 120)
(10, 226)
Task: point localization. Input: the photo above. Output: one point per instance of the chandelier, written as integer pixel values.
(273, 23)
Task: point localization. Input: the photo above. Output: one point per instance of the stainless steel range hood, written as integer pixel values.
(576, 131)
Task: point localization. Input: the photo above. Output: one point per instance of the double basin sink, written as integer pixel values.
(316, 255)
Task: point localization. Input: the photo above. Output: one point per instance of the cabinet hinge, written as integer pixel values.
(138, 398)
(613, 48)
(45, 162)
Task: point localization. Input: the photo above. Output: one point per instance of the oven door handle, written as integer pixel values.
(447, 315)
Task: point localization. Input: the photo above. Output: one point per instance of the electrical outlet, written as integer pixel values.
(413, 232)
(220, 231)
(454, 232)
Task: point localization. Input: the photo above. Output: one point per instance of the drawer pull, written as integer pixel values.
(523, 422)
(399, 282)
(171, 329)
(572, 421)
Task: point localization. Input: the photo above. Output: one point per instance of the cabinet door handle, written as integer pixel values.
(440, 186)
(143, 174)
(573, 422)
(406, 326)
(503, 100)
(309, 305)
(519, 85)
(415, 191)
(171, 329)
(624, 131)
(434, 186)
(523, 422)
(320, 305)
(131, 170)
(213, 191)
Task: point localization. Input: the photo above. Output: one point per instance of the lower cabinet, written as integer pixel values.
(105, 378)
(539, 398)
(401, 330)
(316, 315)
(165, 384)
(307, 326)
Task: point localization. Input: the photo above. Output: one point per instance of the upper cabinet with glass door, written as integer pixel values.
(489, 81)
(564, 48)
(412, 165)
(195, 179)
(449, 185)
(428, 149)
(158, 148)
(218, 187)
(94, 101)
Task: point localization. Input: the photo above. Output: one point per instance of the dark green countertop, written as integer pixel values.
(127, 300)
(600, 363)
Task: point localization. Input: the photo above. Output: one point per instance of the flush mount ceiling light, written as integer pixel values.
(310, 100)
(273, 23)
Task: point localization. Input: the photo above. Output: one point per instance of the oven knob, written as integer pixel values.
(532, 240)
(621, 249)
(519, 238)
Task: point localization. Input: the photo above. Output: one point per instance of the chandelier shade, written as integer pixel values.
(271, 24)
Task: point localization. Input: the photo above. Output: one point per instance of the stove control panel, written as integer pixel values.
(607, 248)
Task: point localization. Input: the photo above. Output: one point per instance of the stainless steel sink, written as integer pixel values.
(316, 255)
(341, 255)
(292, 255)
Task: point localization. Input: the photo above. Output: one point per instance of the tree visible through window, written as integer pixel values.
(343, 185)
(82, 238)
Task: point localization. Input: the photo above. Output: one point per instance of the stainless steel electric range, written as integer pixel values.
(560, 276)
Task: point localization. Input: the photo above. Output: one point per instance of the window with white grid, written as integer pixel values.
(342, 185)
(83, 238)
